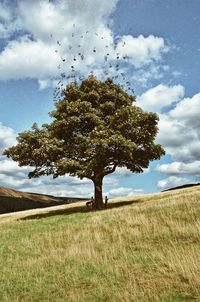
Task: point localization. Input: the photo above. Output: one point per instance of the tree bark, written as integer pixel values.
(98, 193)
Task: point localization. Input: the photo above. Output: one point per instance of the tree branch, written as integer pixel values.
(109, 171)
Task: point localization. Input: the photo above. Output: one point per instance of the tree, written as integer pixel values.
(95, 128)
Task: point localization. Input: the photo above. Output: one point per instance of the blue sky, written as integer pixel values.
(161, 41)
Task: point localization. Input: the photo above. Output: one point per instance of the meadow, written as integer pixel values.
(142, 248)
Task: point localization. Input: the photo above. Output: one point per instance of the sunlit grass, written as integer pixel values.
(145, 250)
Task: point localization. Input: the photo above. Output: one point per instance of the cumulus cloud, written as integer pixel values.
(157, 98)
(13, 176)
(179, 134)
(188, 111)
(124, 172)
(7, 137)
(62, 186)
(62, 26)
(177, 168)
(142, 50)
(124, 191)
(11, 168)
(180, 130)
(26, 58)
(172, 181)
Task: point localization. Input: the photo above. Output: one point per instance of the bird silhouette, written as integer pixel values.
(112, 65)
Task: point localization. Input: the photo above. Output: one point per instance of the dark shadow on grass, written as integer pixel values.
(81, 209)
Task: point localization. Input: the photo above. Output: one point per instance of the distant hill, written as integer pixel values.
(182, 187)
(13, 200)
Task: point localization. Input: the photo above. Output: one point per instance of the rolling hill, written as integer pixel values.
(13, 200)
(182, 187)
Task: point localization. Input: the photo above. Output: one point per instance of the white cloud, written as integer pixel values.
(58, 17)
(180, 130)
(188, 111)
(26, 58)
(110, 180)
(172, 181)
(7, 137)
(34, 56)
(142, 50)
(156, 98)
(179, 126)
(143, 75)
(124, 172)
(11, 168)
(124, 191)
(11, 175)
(176, 168)
(44, 84)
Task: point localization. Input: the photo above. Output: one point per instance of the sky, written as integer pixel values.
(158, 46)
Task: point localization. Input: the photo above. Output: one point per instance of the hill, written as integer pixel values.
(182, 187)
(139, 249)
(13, 200)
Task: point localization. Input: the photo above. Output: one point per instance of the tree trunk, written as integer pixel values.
(98, 193)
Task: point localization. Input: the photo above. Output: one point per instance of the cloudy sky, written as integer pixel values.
(157, 48)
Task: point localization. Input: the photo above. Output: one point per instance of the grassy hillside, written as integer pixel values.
(140, 249)
(13, 200)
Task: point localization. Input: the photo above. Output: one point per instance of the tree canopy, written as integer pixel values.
(96, 127)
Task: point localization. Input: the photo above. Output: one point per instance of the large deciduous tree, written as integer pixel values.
(96, 127)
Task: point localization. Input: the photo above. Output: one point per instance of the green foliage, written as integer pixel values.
(96, 127)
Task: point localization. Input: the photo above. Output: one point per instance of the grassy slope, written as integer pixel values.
(146, 250)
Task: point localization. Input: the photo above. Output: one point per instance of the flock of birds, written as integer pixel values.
(112, 62)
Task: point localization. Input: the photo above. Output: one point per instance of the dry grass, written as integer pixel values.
(140, 249)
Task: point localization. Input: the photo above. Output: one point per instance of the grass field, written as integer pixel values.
(140, 249)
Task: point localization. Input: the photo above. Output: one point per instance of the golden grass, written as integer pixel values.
(140, 249)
